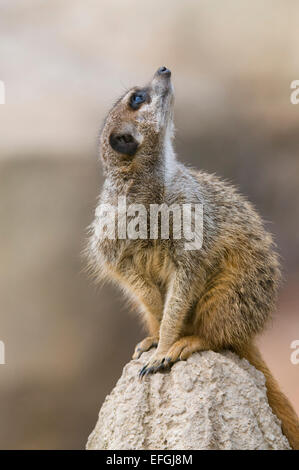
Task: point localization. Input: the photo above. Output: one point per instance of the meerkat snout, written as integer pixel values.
(161, 83)
(164, 71)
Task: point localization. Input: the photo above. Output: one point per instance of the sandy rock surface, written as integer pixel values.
(211, 401)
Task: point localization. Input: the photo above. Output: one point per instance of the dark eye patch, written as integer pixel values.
(123, 143)
(137, 98)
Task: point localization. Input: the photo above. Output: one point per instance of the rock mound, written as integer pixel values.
(210, 401)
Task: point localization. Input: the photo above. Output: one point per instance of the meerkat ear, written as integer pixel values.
(123, 143)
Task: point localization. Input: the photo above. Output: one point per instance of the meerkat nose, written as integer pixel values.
(164, 71)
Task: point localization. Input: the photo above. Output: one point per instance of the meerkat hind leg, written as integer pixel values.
(180, 350)
(145, 345)
(184, 347)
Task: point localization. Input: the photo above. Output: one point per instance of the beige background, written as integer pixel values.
(64, 63)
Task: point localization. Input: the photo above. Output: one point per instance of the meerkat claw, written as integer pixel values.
(142, 372)
(168, 360)
(153, 367)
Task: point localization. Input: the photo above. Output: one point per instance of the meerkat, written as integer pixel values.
(215, 298)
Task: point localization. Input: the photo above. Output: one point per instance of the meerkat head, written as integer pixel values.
(139, 124)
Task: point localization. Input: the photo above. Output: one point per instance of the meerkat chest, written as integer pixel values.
(154, 263)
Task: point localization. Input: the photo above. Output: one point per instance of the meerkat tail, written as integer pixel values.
(277, 400)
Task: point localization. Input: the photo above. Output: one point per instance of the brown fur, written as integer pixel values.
(219, 297)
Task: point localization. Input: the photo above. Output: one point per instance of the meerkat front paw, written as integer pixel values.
(157, 362)
(179, 351)
(145, 345)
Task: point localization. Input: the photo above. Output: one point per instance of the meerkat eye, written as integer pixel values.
(137, 99)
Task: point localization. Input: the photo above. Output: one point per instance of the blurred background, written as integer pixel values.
(63, 64)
